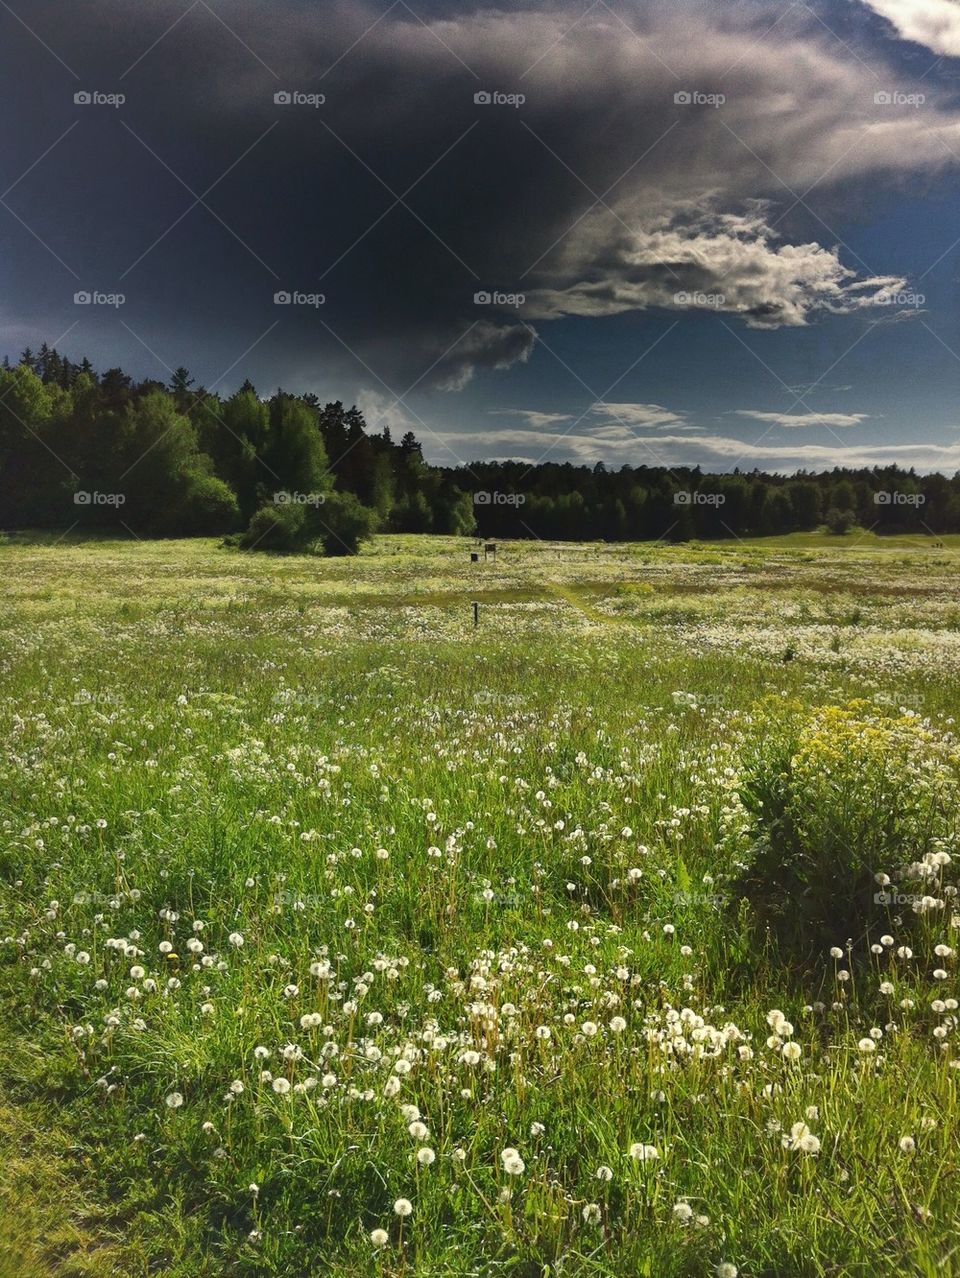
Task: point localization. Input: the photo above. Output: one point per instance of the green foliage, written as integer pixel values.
(142, 446)
(235, 435)
(336, 525)
(835, 799)
(276, 527)
(344, 523)
(221, 773)
(209, 505)
(296, 454)
(839, 522)
(33, 482)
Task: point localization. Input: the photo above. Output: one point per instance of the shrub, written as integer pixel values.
(849, 810)
(209, 506)
(335, 527)
(342, 523)
(276, 527)
(839, 522)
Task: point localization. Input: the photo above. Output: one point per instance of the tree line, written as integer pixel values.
(94, 450)
(78, 448)
(637, 503)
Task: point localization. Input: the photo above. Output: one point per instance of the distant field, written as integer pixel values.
(317, 902)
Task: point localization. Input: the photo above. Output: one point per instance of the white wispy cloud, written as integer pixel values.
(935, 23)
(719, 261)
(643, 415)
(719, 453)
(532, 416)
(379, 411)
(835, 420)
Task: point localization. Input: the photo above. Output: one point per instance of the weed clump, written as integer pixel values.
(851, 819)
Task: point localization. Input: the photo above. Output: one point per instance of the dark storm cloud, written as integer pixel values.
(401, 198)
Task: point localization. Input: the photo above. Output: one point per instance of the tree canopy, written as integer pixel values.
(285, 472)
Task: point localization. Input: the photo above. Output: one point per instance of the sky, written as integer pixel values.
(674, 232)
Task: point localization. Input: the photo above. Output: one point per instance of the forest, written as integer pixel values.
(86, 450)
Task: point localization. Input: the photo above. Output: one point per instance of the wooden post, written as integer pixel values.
(476, 614)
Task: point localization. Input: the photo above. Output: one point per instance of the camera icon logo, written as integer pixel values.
(682, 97)
(281, 499)
(482, 298)
(81, 499)
(83, 298)
(82, 98)
(882, 98)
(481, 499)
(681, 499)
(881, 499)
(282, 97)
(482, 98)
(283, 298)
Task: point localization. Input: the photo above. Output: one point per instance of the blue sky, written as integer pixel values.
(733, 226)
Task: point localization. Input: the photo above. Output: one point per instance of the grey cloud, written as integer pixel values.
(491, 197)
(486, 345)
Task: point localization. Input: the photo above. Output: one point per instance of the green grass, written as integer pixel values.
(198, 743)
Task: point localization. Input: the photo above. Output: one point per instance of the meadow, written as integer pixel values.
(615, 935)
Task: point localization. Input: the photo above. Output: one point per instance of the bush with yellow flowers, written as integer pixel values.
(851, 810)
